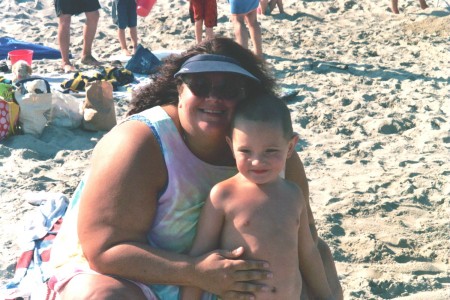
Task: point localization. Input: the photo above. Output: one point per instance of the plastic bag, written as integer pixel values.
(67, 110)
(34, 107)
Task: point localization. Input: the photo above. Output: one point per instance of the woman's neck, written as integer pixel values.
(212, 151)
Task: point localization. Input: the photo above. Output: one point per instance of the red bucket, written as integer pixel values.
(22, 54)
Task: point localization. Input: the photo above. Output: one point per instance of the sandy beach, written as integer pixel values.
(372, 112)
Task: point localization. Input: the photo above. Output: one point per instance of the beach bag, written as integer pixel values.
(9, 115)
(143, 61)
(35, 101)
(98, 108)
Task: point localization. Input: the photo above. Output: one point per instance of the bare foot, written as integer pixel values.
(68, 67)
(90, 61)
(126, 52)
(395, 10)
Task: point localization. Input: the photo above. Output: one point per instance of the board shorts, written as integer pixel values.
(204, 10)
(75, 7)
(124, 13)
(243, 6)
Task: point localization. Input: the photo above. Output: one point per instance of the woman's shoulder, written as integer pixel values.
(130, 146)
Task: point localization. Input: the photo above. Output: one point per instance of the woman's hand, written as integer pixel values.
(221, 273)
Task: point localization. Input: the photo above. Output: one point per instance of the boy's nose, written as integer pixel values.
(257, 160)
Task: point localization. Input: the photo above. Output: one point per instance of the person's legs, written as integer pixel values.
(89, 30)
(255, 32)
(280, 6)
(263, 4)
(240, 32)
(134, 38)
(394, 6)
(198, 31)
(64, 41)
(210, 13)
(209, 33)
(272, 4)
(123, 42)
(100, 287)
(423, 4)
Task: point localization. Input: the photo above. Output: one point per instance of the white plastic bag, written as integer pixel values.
(33, 111)
(66, 110)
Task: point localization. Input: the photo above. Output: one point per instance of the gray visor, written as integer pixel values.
(206, 63)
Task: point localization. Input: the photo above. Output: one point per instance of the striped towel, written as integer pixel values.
(32, 268)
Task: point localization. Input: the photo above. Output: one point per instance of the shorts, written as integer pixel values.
(124, 13)
(243, 6)
(75, 7)
(56, 284)
(204, 10)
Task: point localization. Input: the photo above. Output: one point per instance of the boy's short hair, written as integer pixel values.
(265, 108)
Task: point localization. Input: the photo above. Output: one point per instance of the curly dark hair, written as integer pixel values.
(163, 88)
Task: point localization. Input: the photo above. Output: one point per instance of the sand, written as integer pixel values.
(372, 112)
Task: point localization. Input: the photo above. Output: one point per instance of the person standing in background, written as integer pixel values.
(64, 10)
(124, 15)
(203, 12)
(243, 13)
(394, 5)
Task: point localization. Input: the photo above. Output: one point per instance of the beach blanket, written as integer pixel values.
(39, 51)
(32, 268)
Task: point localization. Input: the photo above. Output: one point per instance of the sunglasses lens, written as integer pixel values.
(228, 88)
(199, 85)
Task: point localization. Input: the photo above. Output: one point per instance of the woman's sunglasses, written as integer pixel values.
(227, 88)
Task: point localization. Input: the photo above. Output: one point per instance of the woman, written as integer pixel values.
(134, 215)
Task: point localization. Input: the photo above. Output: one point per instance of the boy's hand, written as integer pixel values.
(221, 273)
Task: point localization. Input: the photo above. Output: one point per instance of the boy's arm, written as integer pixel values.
(311, 266)
(207, 239)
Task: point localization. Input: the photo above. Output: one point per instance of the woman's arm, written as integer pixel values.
(296, 172)
(310, 262)
(117, 209)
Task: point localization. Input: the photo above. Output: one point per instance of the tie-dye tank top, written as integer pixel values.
(179, 203)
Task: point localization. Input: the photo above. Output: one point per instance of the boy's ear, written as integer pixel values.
(292, 143)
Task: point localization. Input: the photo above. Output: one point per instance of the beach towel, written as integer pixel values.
(33, 268)
(8, 44)
(116, 76)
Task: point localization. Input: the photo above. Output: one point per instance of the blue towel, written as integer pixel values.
(39, 51)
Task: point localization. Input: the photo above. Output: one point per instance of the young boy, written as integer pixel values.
(124, 15)
(258, 209)
(203, 12)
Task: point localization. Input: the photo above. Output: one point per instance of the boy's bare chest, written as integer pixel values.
(264, 216)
